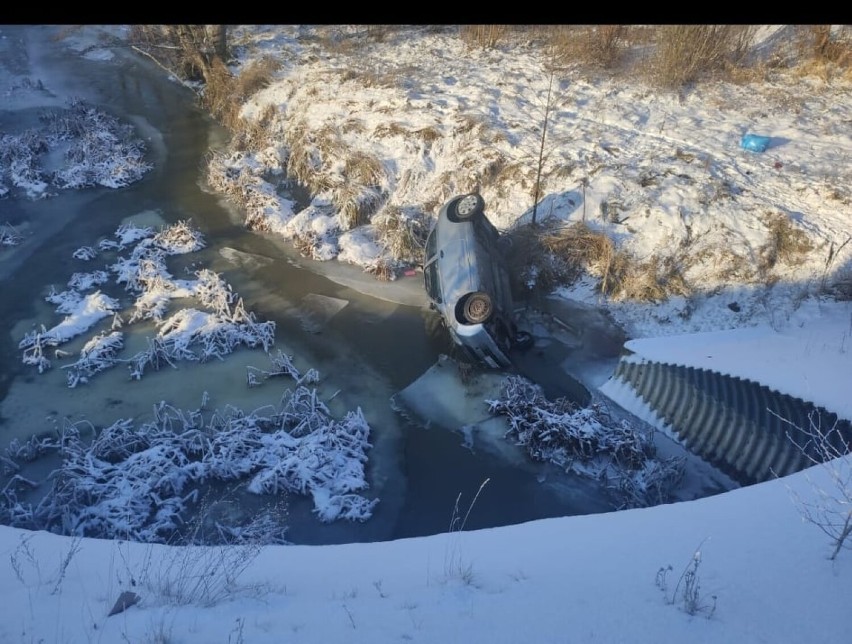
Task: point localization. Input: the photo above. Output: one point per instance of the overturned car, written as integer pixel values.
(467, 282)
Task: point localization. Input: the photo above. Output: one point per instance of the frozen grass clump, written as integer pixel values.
(588, 442)
(141, 482)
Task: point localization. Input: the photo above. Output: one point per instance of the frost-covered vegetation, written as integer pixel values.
(141, 482)
(8, 234)
(215, 329)
(588, 441)
(79, 147)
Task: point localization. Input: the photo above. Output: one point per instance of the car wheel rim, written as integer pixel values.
(479, 308)
(467, 205)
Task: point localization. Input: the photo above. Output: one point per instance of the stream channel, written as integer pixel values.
(366, 347)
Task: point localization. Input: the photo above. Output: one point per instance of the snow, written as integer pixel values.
(811, 359)
(670, 168)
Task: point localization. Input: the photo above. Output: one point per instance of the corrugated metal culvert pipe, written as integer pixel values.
(743, 428)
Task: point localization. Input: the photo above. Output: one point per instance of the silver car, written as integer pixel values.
(467, 282)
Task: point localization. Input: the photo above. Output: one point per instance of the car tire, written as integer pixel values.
(476, 308)
(466, 207)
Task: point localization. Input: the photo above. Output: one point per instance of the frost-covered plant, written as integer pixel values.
(179, 238)
(83, 313)
(85, 253)
(587, 441)
(99, 149)
(97, 354)
(34, 344)
(197, 575)
(687, 591)
(65, 301)
(828, 507)
(257, 197)
(188, 334)
(8, 235)
(85, 281)
(95, 150)
(20, 157)
(146, 263)
(196, 335)
(139, 482)
(282, 365)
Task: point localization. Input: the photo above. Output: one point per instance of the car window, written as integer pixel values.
(433, 286)
(431, 245)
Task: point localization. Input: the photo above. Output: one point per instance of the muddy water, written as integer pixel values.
(365, 348)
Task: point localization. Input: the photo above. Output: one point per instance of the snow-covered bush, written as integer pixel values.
(142, 482)
(589, 442)
(95, 150)
(187, 334)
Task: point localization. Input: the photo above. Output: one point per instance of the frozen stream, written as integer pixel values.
(367, 340)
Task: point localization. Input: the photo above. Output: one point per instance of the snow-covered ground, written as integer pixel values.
(661, 173)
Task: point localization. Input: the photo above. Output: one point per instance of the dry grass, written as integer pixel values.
(601, 46)
(428, 134)
(532, 266)
(356, 204)
(380, 33)
(382, 78)
(551, 255)
(470, 123)
(253, 134)
(483, 36)
(365, 168)
(822, 43)
(728, 266)
(358, 191)
(329, 142)
(344, 40)
(309, 150)
(353, 125)
(70, 30)
(687, 53)
(591, 250)
(840, 285)
(824, 52)
(653, 281)
(785, 244)
(433, 205)
(255, 76)
(580, 243)
(224, 95)
(402, 235)
(305, 244)
(218, 95)
(303, 162)
(493, 174)
(392, 128)
(382, 271)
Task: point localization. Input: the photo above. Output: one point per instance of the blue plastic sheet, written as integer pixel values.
(754, 142)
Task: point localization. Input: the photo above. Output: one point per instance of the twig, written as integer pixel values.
(163, 67)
